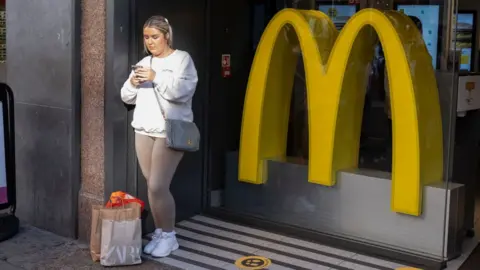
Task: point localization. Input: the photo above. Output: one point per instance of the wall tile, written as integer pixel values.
(43, 157)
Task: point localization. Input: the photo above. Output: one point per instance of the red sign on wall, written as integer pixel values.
(226, 72)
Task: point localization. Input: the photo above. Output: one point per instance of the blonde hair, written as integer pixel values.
(161, 24)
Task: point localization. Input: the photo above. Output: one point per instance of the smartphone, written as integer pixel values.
(135, 67)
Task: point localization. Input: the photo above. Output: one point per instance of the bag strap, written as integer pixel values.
(156, 95)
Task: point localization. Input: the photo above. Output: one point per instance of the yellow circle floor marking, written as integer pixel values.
(253, 262)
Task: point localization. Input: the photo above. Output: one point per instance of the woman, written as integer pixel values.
(162, 84)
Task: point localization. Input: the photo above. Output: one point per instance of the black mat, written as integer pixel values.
(473, 261)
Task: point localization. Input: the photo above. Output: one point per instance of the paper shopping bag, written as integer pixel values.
(121, 236)
(96, 233)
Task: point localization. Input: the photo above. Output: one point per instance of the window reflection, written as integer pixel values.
(376, 135)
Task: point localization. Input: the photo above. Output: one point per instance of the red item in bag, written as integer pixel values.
(120, 198)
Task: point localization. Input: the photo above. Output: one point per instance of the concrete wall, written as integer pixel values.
(43, 73)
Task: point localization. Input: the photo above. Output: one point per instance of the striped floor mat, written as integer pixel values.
(207, 243)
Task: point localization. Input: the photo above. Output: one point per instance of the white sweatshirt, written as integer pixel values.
(175, 83)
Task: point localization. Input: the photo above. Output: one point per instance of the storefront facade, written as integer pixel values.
(238, 176)
(353, 170)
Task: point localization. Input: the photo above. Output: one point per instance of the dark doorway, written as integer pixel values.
(188, 22)
(125, 20)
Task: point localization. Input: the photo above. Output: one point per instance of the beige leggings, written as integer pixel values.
(158, 164)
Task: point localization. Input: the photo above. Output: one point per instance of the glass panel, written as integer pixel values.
(348, 119)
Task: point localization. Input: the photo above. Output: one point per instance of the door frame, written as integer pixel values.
(121, 52)
(117, 59)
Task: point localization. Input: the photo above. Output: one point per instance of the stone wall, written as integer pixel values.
(93, 69)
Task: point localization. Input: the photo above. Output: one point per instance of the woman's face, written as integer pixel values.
(155, 41)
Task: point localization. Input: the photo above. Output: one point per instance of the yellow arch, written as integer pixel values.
(335, 71)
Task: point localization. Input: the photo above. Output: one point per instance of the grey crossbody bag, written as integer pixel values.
(180, 135)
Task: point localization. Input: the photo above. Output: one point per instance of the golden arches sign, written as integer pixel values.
(335, 69)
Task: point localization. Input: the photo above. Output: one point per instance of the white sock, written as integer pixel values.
(158, 231)
(172, 233)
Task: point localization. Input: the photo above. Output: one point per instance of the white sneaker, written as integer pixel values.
(167, 245)
(157, 236)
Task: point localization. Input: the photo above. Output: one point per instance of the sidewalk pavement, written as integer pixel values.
(35, 249)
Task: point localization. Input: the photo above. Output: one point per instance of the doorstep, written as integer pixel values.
(207, 243)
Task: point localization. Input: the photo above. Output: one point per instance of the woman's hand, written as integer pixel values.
(145, 74)
(134, 80)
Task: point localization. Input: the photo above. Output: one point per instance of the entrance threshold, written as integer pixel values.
(208, 243)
